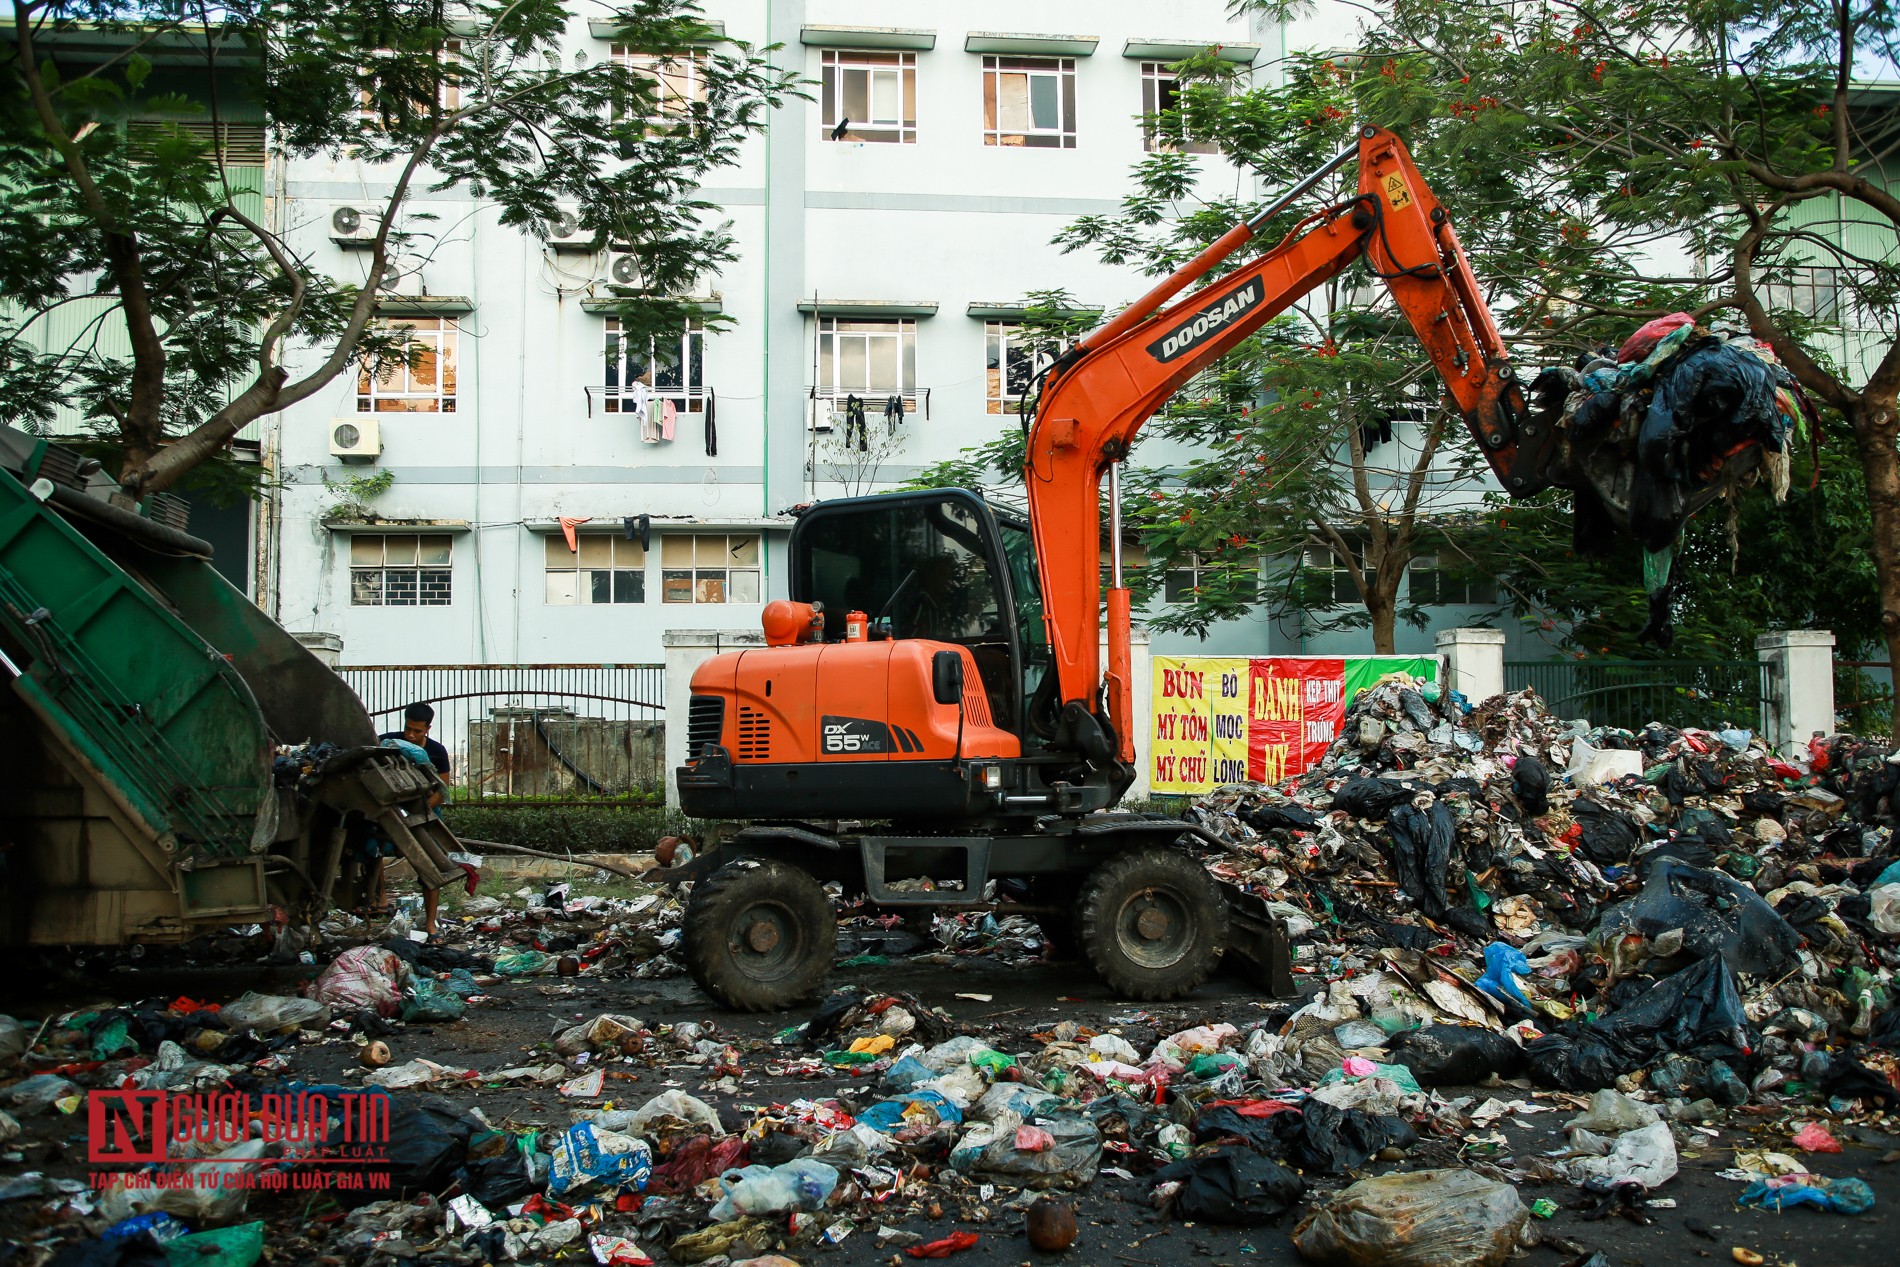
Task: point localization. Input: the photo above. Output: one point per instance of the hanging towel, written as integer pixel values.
(634, 400)
(669, 417)
(568, 524)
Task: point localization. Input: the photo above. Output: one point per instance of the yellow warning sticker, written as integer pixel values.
(1395, 191)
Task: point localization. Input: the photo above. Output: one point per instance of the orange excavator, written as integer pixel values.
(930, 711)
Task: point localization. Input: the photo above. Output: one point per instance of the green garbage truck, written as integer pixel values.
(175, 761)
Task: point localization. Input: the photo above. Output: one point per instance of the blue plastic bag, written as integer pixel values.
(1839, 1196)
(579, 1160)
(906, 1074)
(888, 1115)
(1501, 962)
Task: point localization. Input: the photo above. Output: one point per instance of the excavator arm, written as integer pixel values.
(1100, 393)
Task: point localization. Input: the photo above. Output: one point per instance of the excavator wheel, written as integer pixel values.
(759, 935)
(1152, 923)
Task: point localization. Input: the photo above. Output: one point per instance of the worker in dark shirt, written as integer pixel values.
(416, 720)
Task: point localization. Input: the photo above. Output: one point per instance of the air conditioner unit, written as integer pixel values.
(624, 270)
(566, 233)
(825, 415)
(401, 281)
(355, 439)
(354, 226)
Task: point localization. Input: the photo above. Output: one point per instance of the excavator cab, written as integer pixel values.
(940, 565)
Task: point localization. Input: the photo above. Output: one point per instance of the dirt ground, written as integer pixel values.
(1118, 1225)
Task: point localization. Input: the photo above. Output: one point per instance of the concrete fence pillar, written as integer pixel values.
(686, 650)
(1141, 675)
(327, 647)
(1800, 697)
(1474, 661)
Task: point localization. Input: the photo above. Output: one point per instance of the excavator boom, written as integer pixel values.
(1102, 391)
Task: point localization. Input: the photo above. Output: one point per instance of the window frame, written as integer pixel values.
(1322, 559)
(675, 104)
(442, 334)
(1158, 85)
(1001, 341)
(688, 393)
(1062, 69)
(837, 63)
(419, 570)
(1463, 580)
(698, 575)
(448, 97)
(901, 330)
(576, 565)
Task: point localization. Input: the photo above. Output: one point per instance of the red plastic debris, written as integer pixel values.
(954, 1243)
(1813, 1138)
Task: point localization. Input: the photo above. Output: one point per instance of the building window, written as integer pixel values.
(709, 567)
(1161, 96)
(421, 383)
(867, 358)
(603, 569)
(1439, 583)
(1012, 362)
(1336, 579)
(370, 106)
(873, 94)
(399, 570)
(1813, 292)
(1185, 579)
(679, 81)
(674, 366)
(1029, 101)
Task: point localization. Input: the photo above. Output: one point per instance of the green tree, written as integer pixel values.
(1740, 127)
(476, 95)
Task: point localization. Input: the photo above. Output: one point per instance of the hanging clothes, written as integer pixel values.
(669, 417)
(650, 426)
(712, 429)
(637, 400)
(854, 419)
(893, 414)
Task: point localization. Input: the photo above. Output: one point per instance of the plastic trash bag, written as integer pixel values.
(1608, 837)
(1612, 1112)
(272, 1013)
(1646, 1156)
(428, 1141)
(801, 1184)
(1335, 1140)
(1232, 1186)
(1428, 1218)
(1456, 1055)
(1069, 1159)
(1837, 1196)
(522, 963)
(1371, 798)
(677, 1110)
(427, 999)
(901, 1110)
(511, 1175)
(212, 1191)
(363, 977)
(1716, 913)
(1531, 783)
(1502, 966)
(907, 1073)
(37, 1093)
(584, 1156)
(13, 1038)
(238, 1246)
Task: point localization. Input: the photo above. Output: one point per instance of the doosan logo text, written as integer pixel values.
(1216, 315)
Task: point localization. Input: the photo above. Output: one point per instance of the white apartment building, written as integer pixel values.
(886, 262)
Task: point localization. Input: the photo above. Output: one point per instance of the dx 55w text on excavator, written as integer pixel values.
(971, 732)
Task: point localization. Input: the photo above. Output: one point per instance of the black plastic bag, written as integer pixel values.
(1371, 798)
(1262, 1134)
(428, 1142)
(505, 1178)
(1697, 1010)
(1268, 817)
(1608, 837)
(118, 1251)
(1717, 914)
(1420, 852)
(1886, 1031)
(1837, 1073)
(1416, 711)
(1232, 1186)
(1335, 1140)
(1456, 1055)
(1579, 1059)
(1531, 782)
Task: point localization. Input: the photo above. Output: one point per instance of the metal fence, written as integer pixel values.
(549, 731)
(1632, 693)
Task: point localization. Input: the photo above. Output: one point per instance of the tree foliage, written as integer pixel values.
(117, 185)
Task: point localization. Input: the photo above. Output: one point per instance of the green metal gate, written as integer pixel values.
(1710, 694)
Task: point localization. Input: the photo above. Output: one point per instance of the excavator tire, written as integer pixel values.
(1152, 923)
(759, 935)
